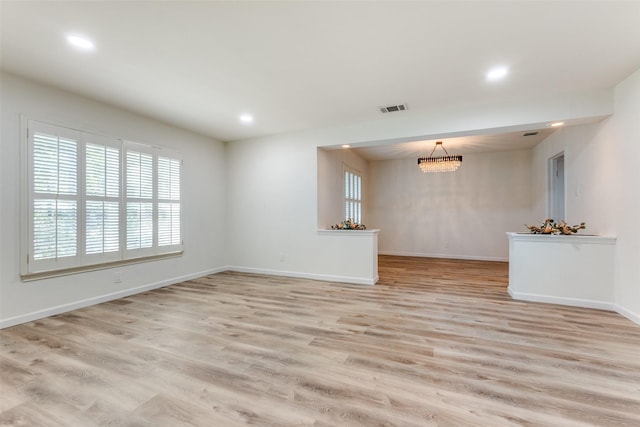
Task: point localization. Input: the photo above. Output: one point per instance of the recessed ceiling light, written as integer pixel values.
(497, 73)
(556, 124)
(80, 42)
(346, 146)
(246, 118)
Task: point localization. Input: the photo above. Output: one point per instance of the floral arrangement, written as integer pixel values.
(549, 226)
(348, 225)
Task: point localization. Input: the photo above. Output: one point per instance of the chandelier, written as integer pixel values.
(439, 164)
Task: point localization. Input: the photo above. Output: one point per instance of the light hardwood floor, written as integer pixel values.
(436, 342)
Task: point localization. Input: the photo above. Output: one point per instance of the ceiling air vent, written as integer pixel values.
(531, 133)
(393, 108)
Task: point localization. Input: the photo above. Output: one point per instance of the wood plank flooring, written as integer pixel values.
(436, 342)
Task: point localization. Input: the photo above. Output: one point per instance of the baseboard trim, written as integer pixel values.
(574, 302)
(300, 275)
(634, 317)
(448, 256)
(40, 314)
(52, 311)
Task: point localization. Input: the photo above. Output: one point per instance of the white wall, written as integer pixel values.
(589, 175)
(331, 165)
(204, 193)
(269, 184)
(573, 270)
(626, 155)
(273, 191)
(463, 214)
(272, 210)
(602, 185)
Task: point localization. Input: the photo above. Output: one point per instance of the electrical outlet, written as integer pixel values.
(117, 277)
(282, 257)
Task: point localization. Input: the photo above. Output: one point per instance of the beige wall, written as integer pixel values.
(463, 214)
(331, 164)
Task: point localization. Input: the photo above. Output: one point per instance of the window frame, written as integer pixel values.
(31, 196)
(32, 269)
(352, 194)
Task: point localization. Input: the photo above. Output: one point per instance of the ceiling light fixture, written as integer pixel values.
(556, 124)
(80, 42)
(439, 164)
(246, 118)
(346, 146)
(497, 73)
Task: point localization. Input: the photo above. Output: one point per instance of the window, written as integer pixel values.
(102, 199)
(139, 178)
(352, 196)
(90, 204)
(168, 201)
(55, 198)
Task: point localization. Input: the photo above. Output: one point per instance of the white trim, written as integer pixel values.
(634, 317)
(451, 256)
(559, 238)
(575, 302)
(24, 194)
(52, 311)
(24, 318)
(94, 267)
(371, 232)
(301, 275)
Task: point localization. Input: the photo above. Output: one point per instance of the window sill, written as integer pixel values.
(28, 277)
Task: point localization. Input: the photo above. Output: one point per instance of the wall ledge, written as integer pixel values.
(557, 238)
(368, 232)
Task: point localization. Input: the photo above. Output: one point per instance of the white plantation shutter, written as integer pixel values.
(102, 191)
(139, 185)
(352, 196)
(53, 197)
(92, 199)
(168, 202)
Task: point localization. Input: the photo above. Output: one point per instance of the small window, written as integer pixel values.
(352, 196)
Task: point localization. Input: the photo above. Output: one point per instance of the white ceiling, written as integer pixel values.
(313, 64)
(454, 146)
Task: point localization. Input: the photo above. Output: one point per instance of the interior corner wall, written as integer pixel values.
(203, 198)
(331, 165)
(589, 176)
(273, 206)
(273, 214)
(625, 157)
(601, 185)
(464, 214)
